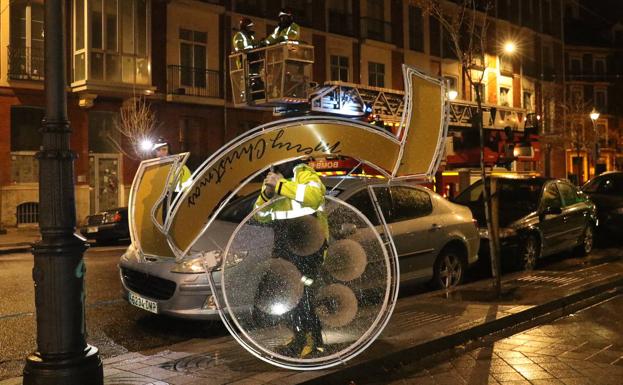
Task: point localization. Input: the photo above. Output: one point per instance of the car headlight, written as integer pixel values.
(506, 232)
(212, 258)
(503, 232)
(189, 266)
(131, 255)
(483, 232)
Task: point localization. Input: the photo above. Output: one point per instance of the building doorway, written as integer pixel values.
(104, 171)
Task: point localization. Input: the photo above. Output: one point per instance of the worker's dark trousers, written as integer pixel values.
(302, 319)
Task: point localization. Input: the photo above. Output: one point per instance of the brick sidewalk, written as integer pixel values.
(421, 325)
(584, 349)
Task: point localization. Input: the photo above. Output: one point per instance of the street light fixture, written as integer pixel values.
(594, 115)
(509, 47)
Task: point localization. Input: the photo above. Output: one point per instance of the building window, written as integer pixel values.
(193, 48)
(375, 26)
(416, 31)
(302, 10)
(339, 68)
(111, 41)
(340, 18)
(434, 33)
(26, 37)
(25, 141)
(504, 96)
(506, 65)
(102, 132)
(376, 74)
(25, 125)
(527, 100)
(481, 89)
(601, 100)
(600, 67)
(577, 94)
(576, 66)
(251, 7)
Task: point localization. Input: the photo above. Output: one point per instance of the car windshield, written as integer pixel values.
(518, 198)
(591, 186)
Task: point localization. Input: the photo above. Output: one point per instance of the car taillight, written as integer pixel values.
(116, 218)
(475, 223)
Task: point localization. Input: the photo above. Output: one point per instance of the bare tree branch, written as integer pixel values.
(136, 123)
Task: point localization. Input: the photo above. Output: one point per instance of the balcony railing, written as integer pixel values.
(341, 23)
(25, 63)
(193, 81)
(376, 29)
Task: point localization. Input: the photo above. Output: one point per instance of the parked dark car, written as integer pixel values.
(537, 217)
(606, 190)
(107, 226)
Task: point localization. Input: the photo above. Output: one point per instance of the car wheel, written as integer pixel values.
(586, 244)
(529, 253)
(448, 270)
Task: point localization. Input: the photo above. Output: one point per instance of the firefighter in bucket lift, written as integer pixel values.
(301, 236)
(244, 39)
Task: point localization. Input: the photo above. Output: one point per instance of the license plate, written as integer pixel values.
(92, 229)
(143, 303)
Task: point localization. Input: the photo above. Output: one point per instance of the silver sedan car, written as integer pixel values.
(436, 241)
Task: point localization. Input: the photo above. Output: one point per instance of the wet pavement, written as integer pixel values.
(584, 348)
(421, 325)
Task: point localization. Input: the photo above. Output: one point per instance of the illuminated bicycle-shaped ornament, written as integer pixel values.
(307, 292)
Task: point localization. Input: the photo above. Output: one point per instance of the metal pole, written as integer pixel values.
(62, 355)
(596, 149)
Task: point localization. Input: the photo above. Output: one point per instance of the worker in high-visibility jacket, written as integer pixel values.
(161, 149)
(244, 39)
(286, 30)
(298, 206)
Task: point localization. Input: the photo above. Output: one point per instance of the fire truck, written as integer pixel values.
(279, 77)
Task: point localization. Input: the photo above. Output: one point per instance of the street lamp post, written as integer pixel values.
(594, 115)
(62, 356)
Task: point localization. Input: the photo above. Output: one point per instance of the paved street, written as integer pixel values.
(113, 326)
(585, 348)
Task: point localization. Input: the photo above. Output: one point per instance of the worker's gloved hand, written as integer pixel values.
(270, 183)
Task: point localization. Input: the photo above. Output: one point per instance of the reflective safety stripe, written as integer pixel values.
(314, 184)
(297, 211)
(263, 214)
(293, 213)
(300, 192)
(183, 185)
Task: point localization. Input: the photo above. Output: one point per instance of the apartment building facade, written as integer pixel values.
(593, 52)
(175, 54)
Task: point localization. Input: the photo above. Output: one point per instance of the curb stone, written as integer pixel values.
(510, 324)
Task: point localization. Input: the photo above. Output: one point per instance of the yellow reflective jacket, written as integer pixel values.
(242, 41)
(184, 179)
(292, 32)
(305, 192)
